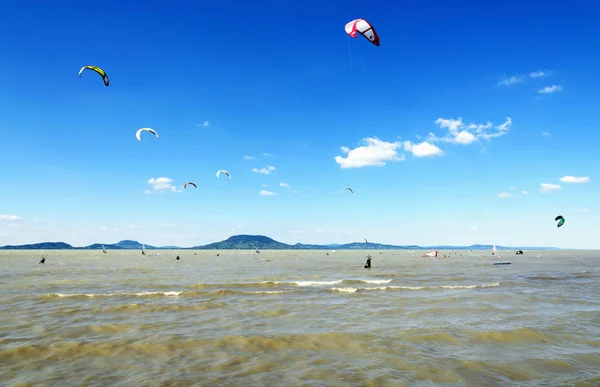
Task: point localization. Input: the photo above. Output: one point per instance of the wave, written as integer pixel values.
(394, 287)
(125, 294)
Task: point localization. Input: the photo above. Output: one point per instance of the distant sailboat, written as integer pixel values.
(143, 249)
(494, 250)
(104, 250)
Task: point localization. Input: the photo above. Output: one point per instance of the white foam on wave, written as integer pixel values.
(377, 281)
(64, 295)
(304, 283)
(325, 283)
(398, 287)
(269, 292)
(345, 290)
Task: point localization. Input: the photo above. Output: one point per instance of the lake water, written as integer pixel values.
(299, 318)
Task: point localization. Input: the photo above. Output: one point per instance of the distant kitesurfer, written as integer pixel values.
(177, 258)
(218, 254)
(368, 264)
(43, 259)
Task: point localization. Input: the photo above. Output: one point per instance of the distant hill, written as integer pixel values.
(260, 242)
(246, 242)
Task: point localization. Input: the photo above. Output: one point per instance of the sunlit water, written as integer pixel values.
(299, 318)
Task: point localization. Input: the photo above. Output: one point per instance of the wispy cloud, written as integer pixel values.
(540, 74)
(264, 192)
(249, 157)
(374, 152)
(133, 226)
(524, 193)
(465, 134)
(506, 195)
(514, 80)
(10, 217)
(264, 171)
(267, 154)
(550, 89)
(319, 230)
(423, 149)
(547, 187)
(474, 228)
(161, 184)
(575, 179)
(205, 123)
(519, 79)
(285, 185)
(546, 134)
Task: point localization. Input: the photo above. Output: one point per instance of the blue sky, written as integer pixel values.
(461, 103)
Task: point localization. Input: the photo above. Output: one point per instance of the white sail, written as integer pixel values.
(494, 250)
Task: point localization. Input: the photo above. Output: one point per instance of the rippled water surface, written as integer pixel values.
(299, 318)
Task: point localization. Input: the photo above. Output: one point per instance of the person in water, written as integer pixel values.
(368, 264)
(177, 257)
(43, 260)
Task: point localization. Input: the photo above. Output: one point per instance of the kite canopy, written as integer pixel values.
(364, 28)
(349, 189)
(139, 132)
(98, 70)
(190, 183)
(224, 171)
(560, 219)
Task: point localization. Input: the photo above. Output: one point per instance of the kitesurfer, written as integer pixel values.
(177, 258)
(43, 260)
(368, 264)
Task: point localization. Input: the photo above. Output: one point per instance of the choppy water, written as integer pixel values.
(299, 318)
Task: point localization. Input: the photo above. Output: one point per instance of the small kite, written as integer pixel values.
(98, 70)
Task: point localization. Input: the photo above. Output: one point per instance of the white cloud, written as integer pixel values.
(545, 134)
(133, 226)
(550, 89)
(284, 185)
(505, 195)
(461, 133)
(319, 230)
(540, 74)
(248, 158)
(264, 192)
(423, 149)
(205, 123)
(267, 154)
(374, 152)
(547, 187)
(575, 179)
(10, 217)
(514, 80)
(524, 192)
(265, 171)
(474, 228)
(161, 184)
